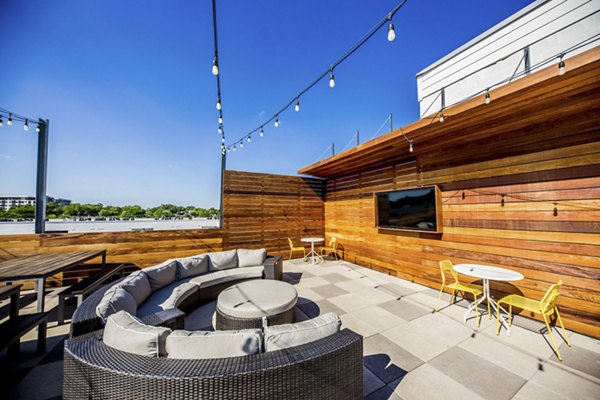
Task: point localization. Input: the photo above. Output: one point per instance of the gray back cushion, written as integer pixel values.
(114, 300)
(162, 275)
(138, 285)
(192, 266)
(251, 258)
(127, 333)
(218, 344)
(289, 335)
(222, 260)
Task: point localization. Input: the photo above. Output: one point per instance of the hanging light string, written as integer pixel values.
(217, 73)
(323, 153)
(381, 127)
(328, 72)
(8, 117)
(488, 98)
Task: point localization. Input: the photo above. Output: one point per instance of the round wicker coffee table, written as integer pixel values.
(243, 306)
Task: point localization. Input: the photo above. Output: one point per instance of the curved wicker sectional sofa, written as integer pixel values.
(327, 368)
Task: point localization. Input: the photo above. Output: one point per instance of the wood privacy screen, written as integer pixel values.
(263, 210)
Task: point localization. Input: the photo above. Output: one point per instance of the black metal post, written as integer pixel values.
(223, 165)
(391, 123)
(332, 149)
(42, 171)
(357, 138)
(527, 60)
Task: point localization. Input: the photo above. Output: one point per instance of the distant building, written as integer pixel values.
(8, 202)
(537, 34)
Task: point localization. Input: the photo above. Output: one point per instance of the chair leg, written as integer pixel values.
(439, 299)
(552, 337)
(290, 255)
(498, 320)
(489, 309)
(60, 317)
(562, 326)
(453, 297)
(477, 316)
(510, 315)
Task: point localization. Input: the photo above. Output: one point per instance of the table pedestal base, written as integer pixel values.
(313, 254)
(486, 296)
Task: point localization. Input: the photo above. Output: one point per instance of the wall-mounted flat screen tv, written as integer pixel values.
(417, 209)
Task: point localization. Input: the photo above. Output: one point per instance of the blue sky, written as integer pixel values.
(131, 99)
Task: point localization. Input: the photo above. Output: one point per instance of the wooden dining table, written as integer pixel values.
(40, 266)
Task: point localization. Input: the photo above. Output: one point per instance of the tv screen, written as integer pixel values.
(412, 209)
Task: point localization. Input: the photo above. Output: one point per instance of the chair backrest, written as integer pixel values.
(549, 300)
(291, 243)
(446, 266)
(332, 242)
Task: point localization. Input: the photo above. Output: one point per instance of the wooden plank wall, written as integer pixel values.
(538, 214)
(263, 210)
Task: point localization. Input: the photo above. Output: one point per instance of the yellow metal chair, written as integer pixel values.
(457, 286)
(330, 248)
(547, 306)
(293, 249)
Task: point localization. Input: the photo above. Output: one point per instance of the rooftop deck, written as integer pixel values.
(409, 351)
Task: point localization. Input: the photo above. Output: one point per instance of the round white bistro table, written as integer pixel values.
(313, 253)
(488, 273)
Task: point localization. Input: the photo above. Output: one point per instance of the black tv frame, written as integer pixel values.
(438, 210)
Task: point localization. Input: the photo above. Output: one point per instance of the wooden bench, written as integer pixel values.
(85, 287)
(17, 325)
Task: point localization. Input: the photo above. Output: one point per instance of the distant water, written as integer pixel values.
(7, 228)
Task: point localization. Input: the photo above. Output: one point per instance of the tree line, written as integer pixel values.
(77, 210)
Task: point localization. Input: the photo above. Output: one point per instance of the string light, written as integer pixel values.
(215, 68)
(219, 104)
(331, 80)
(220, 118)
(234, 147)
(262, 132)
(10, 121)
(276, 122)
(391, 33)
(487, 97)
(241, 144)
(297, 106)
(249, 138)
(442, 116)
(26, 126)
(37, 128)
(561, 66)
(1, 122)
(410, 146)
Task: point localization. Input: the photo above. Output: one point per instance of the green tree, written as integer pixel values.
(110, 211)
(134, 211)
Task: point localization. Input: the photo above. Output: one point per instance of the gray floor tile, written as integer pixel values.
(580, 359)
(405, 309)
(396, 290)
(477, 374)
(329, 291)
(386, 359)
(335, 277)
(319, 307)
(561, 381)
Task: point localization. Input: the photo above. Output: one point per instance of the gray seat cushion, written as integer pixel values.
(251, 258)
(228, 275)
(219, 344)
(257, 298)
(138, 285)
(126, 333)
(162, 275)
(222, 260)
(168, 297)
(114, 300)
(289, 335)
(192, 266)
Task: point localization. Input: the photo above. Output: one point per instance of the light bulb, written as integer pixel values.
(249, 139)
(442, 117)
(262, 132)
(561, 67)
(297, 106)
(220, 119)
(9, 122)
(488, 99)
(234, 147)
(215, 68)
(410, 148)
(220, 130)
(276, 122)
(391, 33)
(219, 104)
(1, 122)
(223, 140)
(26, 126)
(331, 81)
(37, 129)
(241, 144)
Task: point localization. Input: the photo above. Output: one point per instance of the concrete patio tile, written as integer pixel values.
(371, 320)
(386, 359)
(356, 285)
(585, 342)
(371, 382)
(327, 291)
(396, 290)
(425, 300)
(580, 359)
(494, 351)
(308, 293)
(334, 277)
(428, 336)
(348, 272)
(48, 377)
(566, 384)
(348, 302)
(478, 374)
(532, 343)
(405, 309)
(319, 307)
(531, 391)
(312, 282)
(429, 383)
(457, 313)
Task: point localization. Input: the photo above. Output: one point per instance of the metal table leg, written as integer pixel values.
(40, 284)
